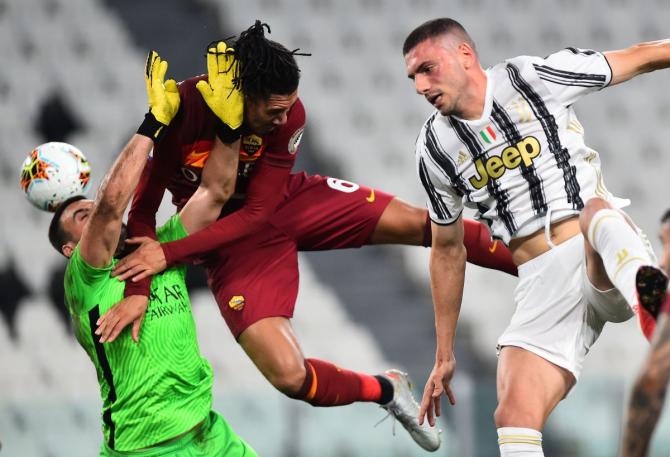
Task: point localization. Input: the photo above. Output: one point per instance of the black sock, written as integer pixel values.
(387, 390)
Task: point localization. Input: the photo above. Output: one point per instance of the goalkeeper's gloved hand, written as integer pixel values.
(220, 92)
(163, 98)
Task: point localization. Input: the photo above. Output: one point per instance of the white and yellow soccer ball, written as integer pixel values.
(54, 172)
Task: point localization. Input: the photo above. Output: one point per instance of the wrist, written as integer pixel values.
(152, 128)
(444, 354)
(226, 133)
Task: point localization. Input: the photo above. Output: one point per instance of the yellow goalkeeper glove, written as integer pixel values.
(163, 98)
(219, 92)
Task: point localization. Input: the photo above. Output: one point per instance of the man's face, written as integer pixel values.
(665, 241)
(74, 220)
(264, 116)
(436, 67)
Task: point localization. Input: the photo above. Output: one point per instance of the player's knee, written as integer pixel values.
(515, 414)
(591, 207)
(288, 381)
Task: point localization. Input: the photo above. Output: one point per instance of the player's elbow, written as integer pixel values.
(221, 194)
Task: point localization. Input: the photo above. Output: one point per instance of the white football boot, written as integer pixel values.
(405, 409)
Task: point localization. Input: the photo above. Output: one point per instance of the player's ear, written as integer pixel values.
(467, 55)
(67, 249)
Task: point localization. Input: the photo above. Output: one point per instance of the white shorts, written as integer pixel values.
(559, 313)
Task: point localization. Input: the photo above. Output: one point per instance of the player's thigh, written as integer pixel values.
(529, 387)
(323, 213)
(400, 223)
(273, 346)
(255, 279)
(217, 438)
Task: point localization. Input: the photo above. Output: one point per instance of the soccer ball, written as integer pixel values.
(54, 172)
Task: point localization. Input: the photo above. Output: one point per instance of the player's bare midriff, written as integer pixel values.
(528, 247)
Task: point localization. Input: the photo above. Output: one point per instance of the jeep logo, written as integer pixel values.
(511, 157)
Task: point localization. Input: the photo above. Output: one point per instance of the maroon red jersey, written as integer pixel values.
(265, 163)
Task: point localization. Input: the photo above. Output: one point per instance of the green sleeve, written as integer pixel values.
(172, 230)
(84, 272)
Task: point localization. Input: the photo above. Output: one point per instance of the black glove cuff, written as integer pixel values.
(151, 128)
(227, 134)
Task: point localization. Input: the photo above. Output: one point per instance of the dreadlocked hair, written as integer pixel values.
(265, 66)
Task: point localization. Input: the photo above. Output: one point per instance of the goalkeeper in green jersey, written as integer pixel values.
(157, 392)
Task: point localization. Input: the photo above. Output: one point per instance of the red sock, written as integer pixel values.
(485, 252)
(328, 385)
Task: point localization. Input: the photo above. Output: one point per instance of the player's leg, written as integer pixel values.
(544, 347)
(529, 388)
(618, 256)
(273, 347)
(402, 223)
(325, 213)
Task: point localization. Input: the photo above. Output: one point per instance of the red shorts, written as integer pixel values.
(258, 276)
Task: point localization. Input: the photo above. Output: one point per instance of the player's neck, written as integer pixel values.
(474, 99)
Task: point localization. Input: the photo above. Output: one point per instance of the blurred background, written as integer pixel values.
(72, 71)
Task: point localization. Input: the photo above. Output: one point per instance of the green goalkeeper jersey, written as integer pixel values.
(158, 388)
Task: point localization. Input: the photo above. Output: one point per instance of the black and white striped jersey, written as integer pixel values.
(525, 155)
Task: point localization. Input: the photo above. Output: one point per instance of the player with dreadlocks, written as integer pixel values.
(269, 213)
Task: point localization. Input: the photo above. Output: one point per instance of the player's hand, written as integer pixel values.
(221, 93)
(437, 384)
(147, 260)
(163, 97)
(130, 309)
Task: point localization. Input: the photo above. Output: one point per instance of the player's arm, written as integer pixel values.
(447, 275)
(148, 197)
(638, 59)
(100, 237)
(217, 185)
(648, 396)
(264, 193)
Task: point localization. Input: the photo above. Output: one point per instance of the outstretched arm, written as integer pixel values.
(648, 394)
(100, 237)
(447, 275)
(638, 59)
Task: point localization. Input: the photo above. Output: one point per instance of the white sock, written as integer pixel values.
(519, 442)
(621, 249)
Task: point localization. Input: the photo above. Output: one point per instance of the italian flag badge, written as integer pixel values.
(488, 135)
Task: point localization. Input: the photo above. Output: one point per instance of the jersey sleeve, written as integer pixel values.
(444, 202)
(146, 201)
(572, 73)
(87, 274)
(172, 230)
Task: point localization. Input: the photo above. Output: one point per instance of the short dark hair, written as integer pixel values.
(434, 28)
(265, 66)
(57, 235)
(666, 217)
